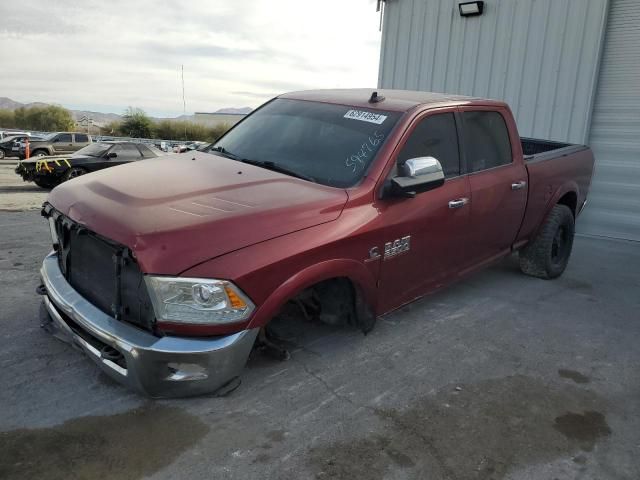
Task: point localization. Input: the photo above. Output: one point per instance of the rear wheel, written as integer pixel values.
(547, 255)
(39, 153)
(73, 172)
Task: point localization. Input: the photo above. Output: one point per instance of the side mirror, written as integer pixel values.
(112, 155)
(417, 175)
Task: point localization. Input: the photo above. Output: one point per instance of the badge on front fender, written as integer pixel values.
(398, 246)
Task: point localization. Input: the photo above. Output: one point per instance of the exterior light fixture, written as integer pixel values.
(470, 9)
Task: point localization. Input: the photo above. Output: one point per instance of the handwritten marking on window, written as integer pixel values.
(357, 161)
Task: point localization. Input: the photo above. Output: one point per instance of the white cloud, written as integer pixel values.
(108, 55)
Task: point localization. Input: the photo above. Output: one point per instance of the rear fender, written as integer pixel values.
(567, 187)
(356, 272)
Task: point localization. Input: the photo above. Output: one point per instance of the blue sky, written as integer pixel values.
(105, 56)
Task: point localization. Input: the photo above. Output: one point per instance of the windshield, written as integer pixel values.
(49, 136)
(95, 149)
(331, 144)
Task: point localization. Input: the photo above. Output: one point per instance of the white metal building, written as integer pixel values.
(569, 69)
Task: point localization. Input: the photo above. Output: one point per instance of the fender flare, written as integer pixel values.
(355, 271)
(567, 187)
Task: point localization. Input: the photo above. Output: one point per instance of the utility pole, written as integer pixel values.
(184, 102)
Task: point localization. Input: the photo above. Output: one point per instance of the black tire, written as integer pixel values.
(39, 153)
(44, 184)
(73, 172)
(547, 255)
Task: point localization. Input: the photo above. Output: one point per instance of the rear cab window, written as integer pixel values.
(81, 138)
(486, 140)
(145, 151)
(126, 151)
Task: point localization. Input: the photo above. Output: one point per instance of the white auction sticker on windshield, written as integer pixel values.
(365, 116)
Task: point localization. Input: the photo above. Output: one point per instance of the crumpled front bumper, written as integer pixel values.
(27, 174)
(156, 366)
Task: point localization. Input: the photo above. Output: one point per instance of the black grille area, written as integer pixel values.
(102, 271)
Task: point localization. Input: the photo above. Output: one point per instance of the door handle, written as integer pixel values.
(458, 203)
(518, 185)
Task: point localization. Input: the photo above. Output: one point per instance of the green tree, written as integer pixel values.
(111, 128)
(136, 123)
(7, 119)
(217, 131)
(46, 118)
(188, 131)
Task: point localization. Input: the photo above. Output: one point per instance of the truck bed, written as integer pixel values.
(550, 166)
(533, 147)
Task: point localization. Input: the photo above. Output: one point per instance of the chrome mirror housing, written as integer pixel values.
(416, 175)
(415, 167)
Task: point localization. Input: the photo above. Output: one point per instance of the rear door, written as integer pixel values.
(498, 182)
(126, 152)
(429, 229)
(62, 143)
(80, 140)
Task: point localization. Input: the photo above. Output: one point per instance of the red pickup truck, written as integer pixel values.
(355, 201)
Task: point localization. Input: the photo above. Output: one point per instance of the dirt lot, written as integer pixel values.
(501, 376)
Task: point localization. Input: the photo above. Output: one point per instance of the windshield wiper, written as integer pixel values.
(225, 153)
(278, 168)
(275, 167)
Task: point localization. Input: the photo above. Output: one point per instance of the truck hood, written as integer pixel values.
(178, 211)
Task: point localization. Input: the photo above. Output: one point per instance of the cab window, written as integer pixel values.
(435, 136)
(126, 152)
(486, 140)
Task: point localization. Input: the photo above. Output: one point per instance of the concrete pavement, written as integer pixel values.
(500, 376)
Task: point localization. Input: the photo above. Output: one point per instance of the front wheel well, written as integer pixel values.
(570, 199)
(336, 301)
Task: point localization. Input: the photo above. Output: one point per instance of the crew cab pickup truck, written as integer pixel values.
(166, 273)
(61, 143)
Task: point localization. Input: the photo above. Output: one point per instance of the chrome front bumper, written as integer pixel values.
(156, 366)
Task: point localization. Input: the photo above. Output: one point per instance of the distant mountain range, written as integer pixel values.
(100, 118)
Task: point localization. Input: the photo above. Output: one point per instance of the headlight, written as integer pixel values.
(198, 301)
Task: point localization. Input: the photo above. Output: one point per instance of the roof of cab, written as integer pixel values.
(394, 100)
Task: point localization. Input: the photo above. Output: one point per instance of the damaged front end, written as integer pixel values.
(95, 297)
(27, 171)
(45, 172)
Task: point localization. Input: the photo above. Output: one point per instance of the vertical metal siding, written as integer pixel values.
(541, 56)
(614, 202)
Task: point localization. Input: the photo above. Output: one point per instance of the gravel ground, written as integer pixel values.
(500, 376)
(15, 194)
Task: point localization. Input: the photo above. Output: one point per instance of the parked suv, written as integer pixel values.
(11, 146)
(61, 143)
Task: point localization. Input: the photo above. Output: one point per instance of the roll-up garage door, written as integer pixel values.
(614, 203)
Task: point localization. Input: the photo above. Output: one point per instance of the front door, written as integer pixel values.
(125, 153)
(424, 237)
(63, 143)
